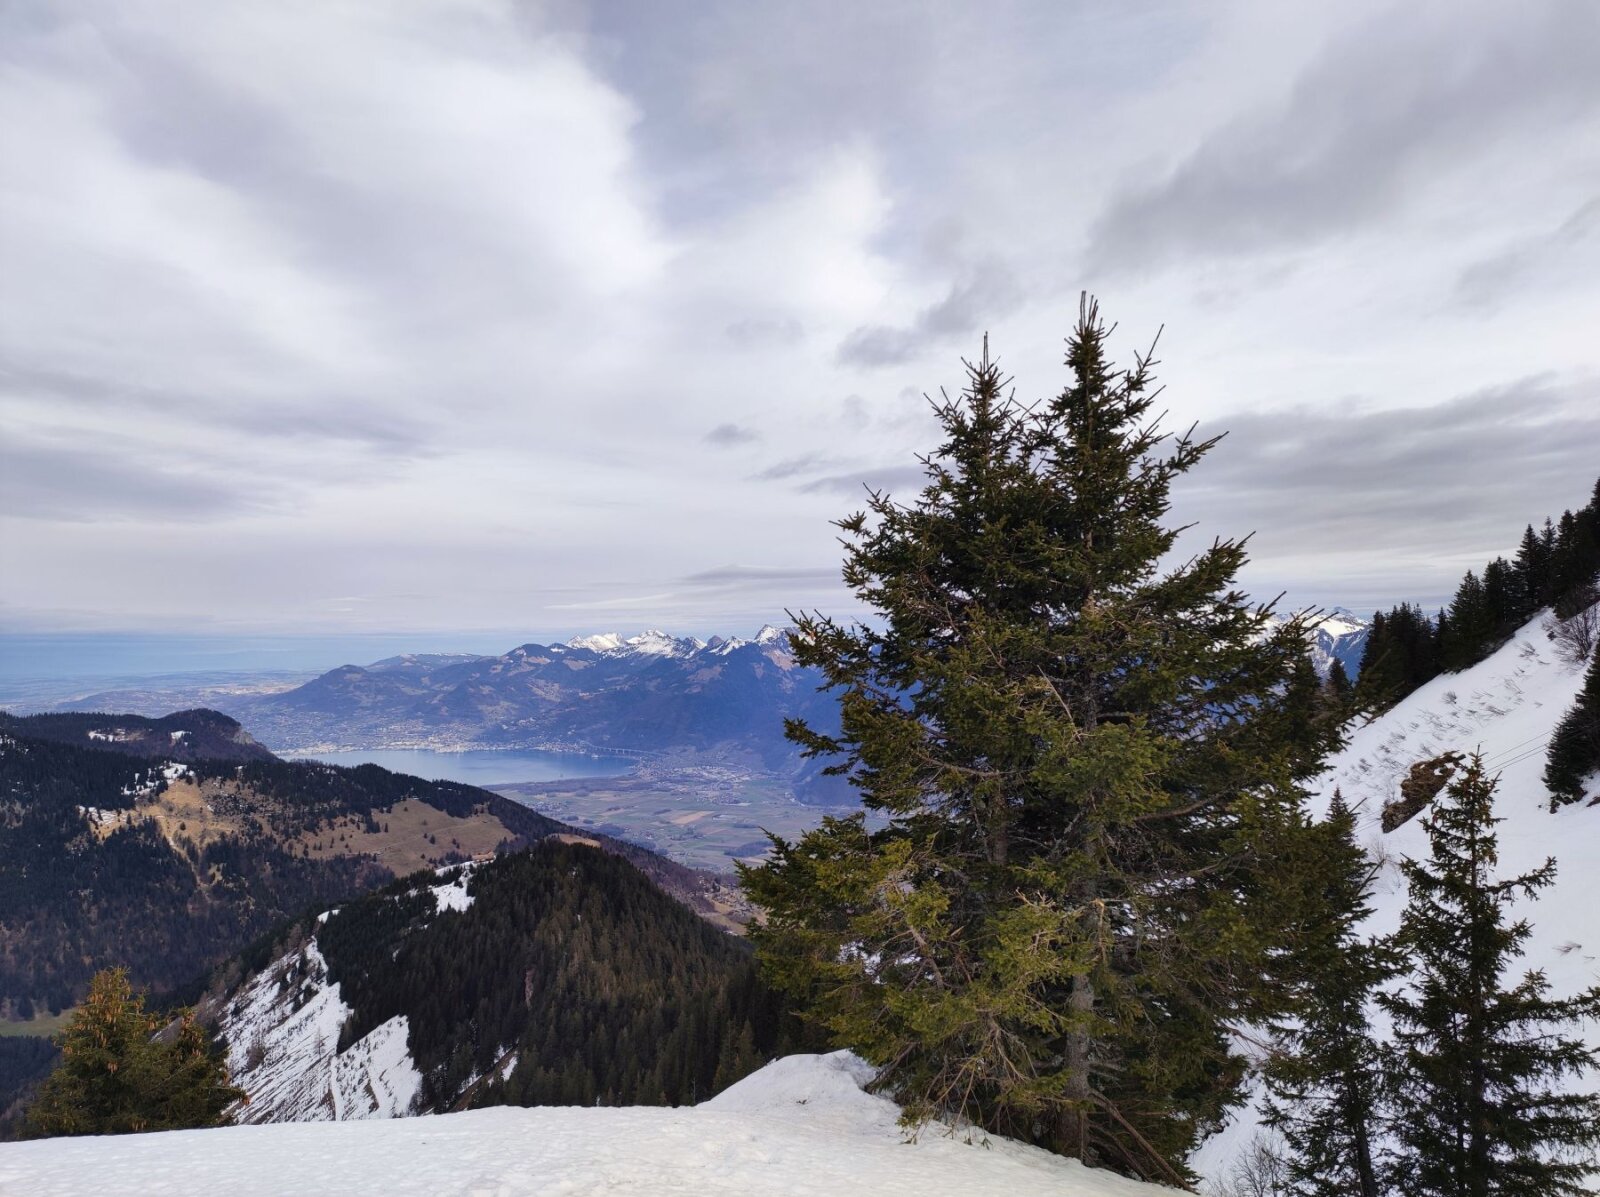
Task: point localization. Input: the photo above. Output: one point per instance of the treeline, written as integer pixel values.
(1554, 566)
(603, 989)
(311, 793)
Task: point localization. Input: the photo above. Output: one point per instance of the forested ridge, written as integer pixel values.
(570, 979)
(193, 735)
(73, 901)
(1554, 566)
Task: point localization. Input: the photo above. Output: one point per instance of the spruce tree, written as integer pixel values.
(1482, 1068)
(1339, 684)
(1324, 1075)
(1533, 571)
(1575, 744)
(114, 1078)
(1502, 593)
(1470, 627)
(1078, 772)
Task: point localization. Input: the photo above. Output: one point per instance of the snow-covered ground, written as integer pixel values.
(1505, 708)
(801, 1127)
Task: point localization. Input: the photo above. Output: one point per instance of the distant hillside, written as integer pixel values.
(197, 735)
(643, 696)
(558, 975)
(167, 867)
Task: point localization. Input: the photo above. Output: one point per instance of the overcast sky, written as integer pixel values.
(469, 316)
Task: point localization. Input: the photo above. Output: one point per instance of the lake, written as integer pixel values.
(480, 767)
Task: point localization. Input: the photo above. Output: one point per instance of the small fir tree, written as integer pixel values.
(1466, 635)
(1324, 1076)
(1339, 686)
(1575, 744)
(1482, 1068)
(114, 1078)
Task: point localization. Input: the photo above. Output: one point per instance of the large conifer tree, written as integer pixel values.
(1482, 1068)
(1079, 771)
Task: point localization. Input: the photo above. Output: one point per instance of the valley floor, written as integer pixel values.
(801, 1127)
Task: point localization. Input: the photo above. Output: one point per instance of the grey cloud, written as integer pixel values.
(758, 576)
(376, 427)
(986, 294)
(755, 332)
(791, 466)
(888, 478)
(1395, 103)
(83, 485)
(1566, 252)
(1398, 501)
(726, 436)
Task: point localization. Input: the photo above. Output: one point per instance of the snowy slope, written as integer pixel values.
(1505, 708)
(283, 1033)
(801, 1127)
(283, 1036)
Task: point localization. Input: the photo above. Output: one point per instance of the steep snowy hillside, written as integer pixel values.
(559, 975)
(801, 1127)
(1504, 707)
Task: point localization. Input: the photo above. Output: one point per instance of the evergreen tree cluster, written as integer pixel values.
(1084, 776)
(1575, 744)
(117, 1076)
(1555, 566)
(606, 990)
(1476, 1096)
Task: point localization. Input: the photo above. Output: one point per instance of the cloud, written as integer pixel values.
(397, 295)
(1375, 119)
(1568, 254)
(1351, 505)
(789, 467)
(987, 294)
(754, 332)
(886, 478)
(42, 481)
(726, 436)
(353, 420)
(759, 577)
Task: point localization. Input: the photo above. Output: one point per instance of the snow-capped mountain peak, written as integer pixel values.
(602, 642)
(653, 642)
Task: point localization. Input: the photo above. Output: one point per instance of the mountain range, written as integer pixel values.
(643, 696)
(646, 696)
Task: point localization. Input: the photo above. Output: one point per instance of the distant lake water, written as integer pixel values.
(479, 767)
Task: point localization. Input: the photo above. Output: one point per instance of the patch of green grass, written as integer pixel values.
(43, 1025)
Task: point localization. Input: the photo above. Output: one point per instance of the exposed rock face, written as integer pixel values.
(1420, 787)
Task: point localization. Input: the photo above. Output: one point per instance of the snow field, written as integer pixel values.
(801, 1127)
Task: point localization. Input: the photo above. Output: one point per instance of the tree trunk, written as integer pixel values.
(1078, 1091)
